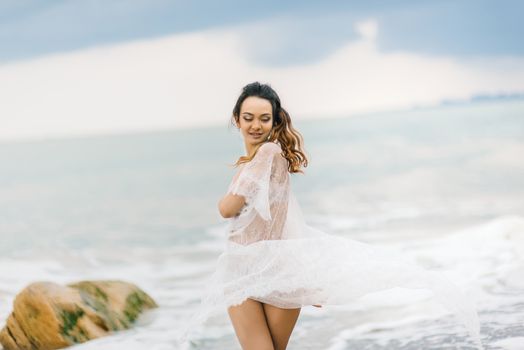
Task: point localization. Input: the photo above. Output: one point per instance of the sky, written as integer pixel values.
(74, 68)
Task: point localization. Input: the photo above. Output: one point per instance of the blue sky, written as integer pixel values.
(454, 27)
(84, 67)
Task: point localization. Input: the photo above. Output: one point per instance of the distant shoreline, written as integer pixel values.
(472, 101)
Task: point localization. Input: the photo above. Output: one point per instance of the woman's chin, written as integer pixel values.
(255, 141)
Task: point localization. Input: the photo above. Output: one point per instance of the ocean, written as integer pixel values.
(444, 186)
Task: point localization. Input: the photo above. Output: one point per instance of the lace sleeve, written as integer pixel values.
(255, 179)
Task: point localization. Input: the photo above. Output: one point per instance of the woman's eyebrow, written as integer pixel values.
(253, 114)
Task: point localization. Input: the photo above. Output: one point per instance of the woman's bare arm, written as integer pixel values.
(230, 205)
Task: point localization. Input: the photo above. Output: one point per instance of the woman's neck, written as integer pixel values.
(250, 149)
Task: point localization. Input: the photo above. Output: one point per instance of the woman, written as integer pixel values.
(274, 263)
(259, 324)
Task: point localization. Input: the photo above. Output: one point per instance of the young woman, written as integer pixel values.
(274, 263)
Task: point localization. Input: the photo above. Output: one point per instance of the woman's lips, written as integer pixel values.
(255, 135)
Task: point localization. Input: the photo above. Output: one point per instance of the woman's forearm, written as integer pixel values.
(230, 205)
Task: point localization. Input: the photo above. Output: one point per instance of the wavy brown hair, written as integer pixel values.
(282, 131)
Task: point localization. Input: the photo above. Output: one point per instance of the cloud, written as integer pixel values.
(368, 29)
(193, 79)
(472, 27)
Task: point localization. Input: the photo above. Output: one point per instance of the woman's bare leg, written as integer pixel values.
(281, 323)
(250, 325)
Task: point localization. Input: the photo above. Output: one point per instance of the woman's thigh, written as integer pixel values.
(249, 322)
(281, 323)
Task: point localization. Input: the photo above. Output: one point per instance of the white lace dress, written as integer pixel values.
(273, 256)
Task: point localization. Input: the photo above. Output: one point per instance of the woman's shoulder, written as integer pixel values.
(270, 148)
(272, 152)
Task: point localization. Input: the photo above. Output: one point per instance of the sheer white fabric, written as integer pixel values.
(273, 256)
(264, 183)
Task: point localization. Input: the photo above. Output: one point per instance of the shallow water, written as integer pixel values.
(443, 186)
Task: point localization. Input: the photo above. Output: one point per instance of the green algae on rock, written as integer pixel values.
(49, 316)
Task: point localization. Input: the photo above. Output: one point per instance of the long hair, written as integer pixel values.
(282, 131)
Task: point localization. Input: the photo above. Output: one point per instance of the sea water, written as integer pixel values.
(442, 186)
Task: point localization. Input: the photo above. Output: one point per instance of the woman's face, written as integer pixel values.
(255, 120)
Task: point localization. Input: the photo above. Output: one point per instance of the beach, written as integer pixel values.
(444, 186)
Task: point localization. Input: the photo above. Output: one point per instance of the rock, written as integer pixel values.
(49, 316)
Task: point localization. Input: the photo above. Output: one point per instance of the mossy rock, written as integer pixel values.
(50, 316)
